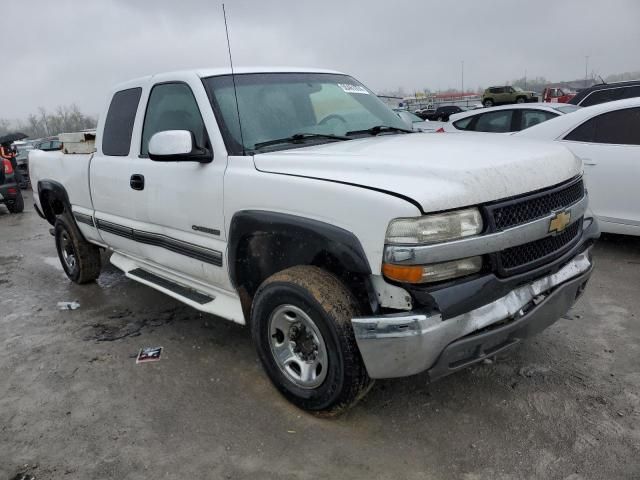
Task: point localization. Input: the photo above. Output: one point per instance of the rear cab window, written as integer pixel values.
(118, 126)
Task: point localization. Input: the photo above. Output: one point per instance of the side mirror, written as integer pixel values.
(177, 146)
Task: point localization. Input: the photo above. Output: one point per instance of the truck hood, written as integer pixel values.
(437, 171)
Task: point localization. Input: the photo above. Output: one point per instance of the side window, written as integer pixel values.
(631, 92)
(116, 139)
(464, 123)
(600, 96)
(534, 117)
(495, 122)
(172, 106)
(621, 127)
(583, 133)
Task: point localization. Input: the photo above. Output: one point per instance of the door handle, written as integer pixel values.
(137, 181)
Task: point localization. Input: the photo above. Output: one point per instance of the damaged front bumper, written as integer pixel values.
(403, 344)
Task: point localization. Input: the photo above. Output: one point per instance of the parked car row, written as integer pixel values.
(606, 137)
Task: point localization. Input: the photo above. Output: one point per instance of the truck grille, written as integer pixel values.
(529, 255)
(518, 211)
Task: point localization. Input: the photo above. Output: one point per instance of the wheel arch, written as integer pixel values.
(54, 199)
(262, 243)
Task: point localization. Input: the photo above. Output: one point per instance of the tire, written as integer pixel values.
(79, 258)
(282, 308)
(440, 119)
(18, 205)
(488, 103)
(520, 100)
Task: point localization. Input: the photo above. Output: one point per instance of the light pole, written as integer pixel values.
(586, 65)
(462, 76)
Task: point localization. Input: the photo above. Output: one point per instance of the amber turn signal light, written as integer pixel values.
(403, 273)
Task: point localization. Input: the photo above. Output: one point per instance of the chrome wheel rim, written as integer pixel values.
(298, 347)
(68, 252)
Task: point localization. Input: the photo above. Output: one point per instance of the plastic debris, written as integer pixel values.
(68, 305)
(149, 354)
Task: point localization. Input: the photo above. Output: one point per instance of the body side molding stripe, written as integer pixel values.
(203, 254)
(84, 218)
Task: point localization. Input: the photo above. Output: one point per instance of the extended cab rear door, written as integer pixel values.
(118, 209)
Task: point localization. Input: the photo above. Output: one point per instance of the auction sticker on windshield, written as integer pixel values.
(349, 88)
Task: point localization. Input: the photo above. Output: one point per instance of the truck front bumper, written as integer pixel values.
(398, 345)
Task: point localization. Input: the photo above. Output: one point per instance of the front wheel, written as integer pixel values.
(301, 328)
(520, 100)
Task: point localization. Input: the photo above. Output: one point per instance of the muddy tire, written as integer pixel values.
(18, 205)
(301, 329)
(79, 258)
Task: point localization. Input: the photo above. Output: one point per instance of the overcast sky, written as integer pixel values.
(70, 51)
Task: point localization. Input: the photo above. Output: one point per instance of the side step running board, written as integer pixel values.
(185, 292)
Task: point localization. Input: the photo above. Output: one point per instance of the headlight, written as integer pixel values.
(435, 272)
(436, 228)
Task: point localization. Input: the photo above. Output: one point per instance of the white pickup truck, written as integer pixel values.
(296, 202)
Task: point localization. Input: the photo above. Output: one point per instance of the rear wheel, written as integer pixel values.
(488, 103)
(18, 205)
(79, 258)
(301, 328)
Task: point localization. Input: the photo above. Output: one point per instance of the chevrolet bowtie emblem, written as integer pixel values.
(559, 222)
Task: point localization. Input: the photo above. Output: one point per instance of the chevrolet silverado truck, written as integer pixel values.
(295, 202)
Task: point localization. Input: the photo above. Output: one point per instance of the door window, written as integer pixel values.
(464, 123)
(172, 106)
(534, 117)
(620, 127)
(495, 122)
(116, 138)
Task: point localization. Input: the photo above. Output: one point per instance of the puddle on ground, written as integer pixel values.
(108, 278)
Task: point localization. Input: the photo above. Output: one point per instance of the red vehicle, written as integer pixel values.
(557, 95)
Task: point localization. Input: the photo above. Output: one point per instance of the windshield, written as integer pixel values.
(518, 89)
(567, 108)
(277, 106)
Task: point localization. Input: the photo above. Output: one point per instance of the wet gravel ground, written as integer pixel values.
(74, 404)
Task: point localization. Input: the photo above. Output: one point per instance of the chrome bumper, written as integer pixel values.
(403, 344)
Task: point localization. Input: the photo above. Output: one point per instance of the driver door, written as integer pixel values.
(185, 230)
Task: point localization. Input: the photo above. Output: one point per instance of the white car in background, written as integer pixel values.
(607, 139)
(506, 118)
(416, 123)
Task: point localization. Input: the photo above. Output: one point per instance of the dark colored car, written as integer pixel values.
(606, 92)
(440, 114)
(10, 193)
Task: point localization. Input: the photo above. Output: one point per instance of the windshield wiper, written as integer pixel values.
(379, 129)
(298, 137)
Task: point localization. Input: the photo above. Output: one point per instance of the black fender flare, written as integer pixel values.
(264, 242)
(53, 199)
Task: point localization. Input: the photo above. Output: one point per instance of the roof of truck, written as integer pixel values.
(212, 72)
